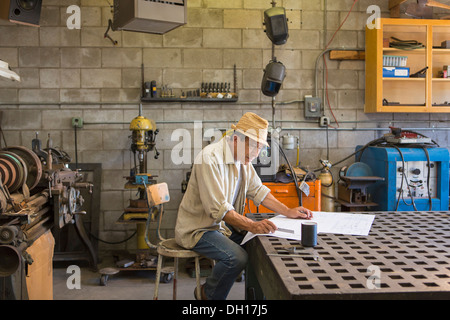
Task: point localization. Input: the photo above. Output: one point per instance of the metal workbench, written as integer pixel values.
(409, 251)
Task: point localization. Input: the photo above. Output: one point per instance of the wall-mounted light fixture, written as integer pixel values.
(6, 72)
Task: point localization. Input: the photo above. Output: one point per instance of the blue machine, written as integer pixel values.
(416, 179)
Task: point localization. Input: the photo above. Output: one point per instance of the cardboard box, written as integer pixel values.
(395, 72)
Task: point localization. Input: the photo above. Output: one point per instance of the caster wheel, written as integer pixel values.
(166, 278)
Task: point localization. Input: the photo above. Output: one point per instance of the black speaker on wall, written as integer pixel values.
(26, 12)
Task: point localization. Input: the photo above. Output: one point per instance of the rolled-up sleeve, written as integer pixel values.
(256, 191)
(210, 176)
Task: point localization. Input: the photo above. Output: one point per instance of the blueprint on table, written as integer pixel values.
(327, 222)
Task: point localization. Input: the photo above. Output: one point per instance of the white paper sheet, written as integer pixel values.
(327, 222)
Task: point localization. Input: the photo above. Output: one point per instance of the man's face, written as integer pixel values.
(246, 150)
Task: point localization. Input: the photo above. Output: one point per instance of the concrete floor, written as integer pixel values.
(128, 285)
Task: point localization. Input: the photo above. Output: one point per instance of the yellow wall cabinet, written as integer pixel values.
(427, 94)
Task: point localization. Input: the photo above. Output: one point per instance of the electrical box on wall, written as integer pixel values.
(313, 107)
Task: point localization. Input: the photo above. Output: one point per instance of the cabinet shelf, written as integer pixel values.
(428, 94)
(404, 79)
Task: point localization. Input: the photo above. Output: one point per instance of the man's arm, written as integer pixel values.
(256, 227)
(270, 202)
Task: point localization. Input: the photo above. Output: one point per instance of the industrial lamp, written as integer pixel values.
(274, 74)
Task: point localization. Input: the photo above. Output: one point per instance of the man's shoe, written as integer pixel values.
(202, 292)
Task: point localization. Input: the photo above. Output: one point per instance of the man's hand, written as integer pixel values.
(299, 213)
(262, 227)
(275, 205)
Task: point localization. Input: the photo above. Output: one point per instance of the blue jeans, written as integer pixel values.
(230, 259)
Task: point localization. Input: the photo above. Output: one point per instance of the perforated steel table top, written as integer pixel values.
(406, 255)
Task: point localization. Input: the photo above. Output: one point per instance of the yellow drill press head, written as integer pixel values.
(142, 129)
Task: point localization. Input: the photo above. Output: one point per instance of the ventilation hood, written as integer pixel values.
(149, 16)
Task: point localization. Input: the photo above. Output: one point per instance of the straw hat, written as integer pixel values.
(253, 126)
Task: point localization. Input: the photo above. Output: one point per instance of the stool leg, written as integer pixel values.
(158, 276)
(175, 276)
(197, 276)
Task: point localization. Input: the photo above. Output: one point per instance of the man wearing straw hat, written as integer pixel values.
(210, 219)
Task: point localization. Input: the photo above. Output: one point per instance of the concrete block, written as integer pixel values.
(242, 19)
(79, 95)
(116, 139)
(39, 95)
(182, 78)
(222, 38)
(90, 140)
(342, 79)
(121, 58)
(162, 58)
(303, 39)
(204, 18)
(110, 160)
(59, 120)
(312, 20)
(312, 139)
(111, 200)
(101, 78)
(183, 37)
(94, 37)
(21, 119)
(70, 78)
(223, 4)
(350, 139)
(120, 95)
(8, 95)
(111, 180)
(141, 40)
(294, 19)
(18, 36)
(49, 78)
(90, 16)
(255, 38)
(50, 16)
(351, 99)
(290, 58)
(252, 78)
(10, 55)
(81, 57)
(29, 78)
(243, 58)
(58, 37)
(131, 78)
(202, 58)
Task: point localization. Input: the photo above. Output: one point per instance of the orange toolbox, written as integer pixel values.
(287, 194)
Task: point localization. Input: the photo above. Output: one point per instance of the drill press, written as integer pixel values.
(143, 140)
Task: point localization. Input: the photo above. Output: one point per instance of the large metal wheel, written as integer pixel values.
(34, 165)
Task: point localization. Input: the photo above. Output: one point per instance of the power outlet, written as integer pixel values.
(324, 121)
(77, 122)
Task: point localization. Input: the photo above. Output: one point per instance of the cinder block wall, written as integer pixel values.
(78, 73)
